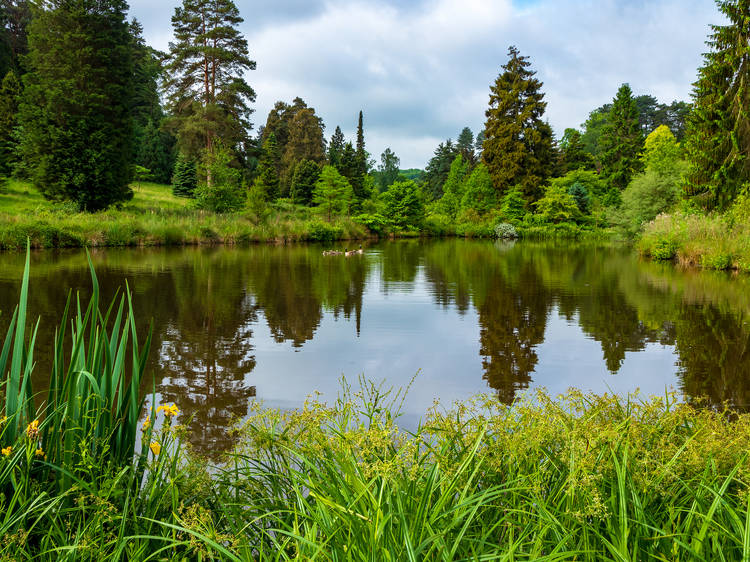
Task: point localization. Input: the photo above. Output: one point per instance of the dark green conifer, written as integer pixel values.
(336, 148)
(306, 174)
(267, 181)
(718, 135)
(10, 94)
(156, 152)
(77, 129)
(573, 153)
(621, 140)
(518, 145)
(185, 178)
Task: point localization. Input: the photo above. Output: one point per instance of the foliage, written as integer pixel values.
(225, 193)
(185, 178)
(718, 137)
(306, 174)
(505, 231)
(305, 142)
(518, 148)
(581, 196)
(402, 205)
(267, 179)
(513, 205)
(388, 171)
(77, 141)
(336, 148)
(333, 193)
(478, 193)
(621, 140)
(465, 146)
(438, 169)
(453, 189)
(207, 93)
(156, 152)
(573, 152)
(10, 95)
(557, 205)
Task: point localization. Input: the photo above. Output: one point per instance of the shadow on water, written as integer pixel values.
(281, 322)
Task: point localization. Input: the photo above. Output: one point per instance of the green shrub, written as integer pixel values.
(320, 231)
(505, 231)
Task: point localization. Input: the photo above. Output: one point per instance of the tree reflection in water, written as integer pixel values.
(208, 307)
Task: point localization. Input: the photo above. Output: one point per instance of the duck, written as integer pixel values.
(351, 253)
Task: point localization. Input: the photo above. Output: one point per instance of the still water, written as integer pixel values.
(278, 323)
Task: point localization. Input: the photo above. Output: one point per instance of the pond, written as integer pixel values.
(278, 323)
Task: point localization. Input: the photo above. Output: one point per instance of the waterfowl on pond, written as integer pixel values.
(332, 253)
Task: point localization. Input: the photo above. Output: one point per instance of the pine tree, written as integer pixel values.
(453, 189)
(77, 130)
(267, 181)
(15, 18)
(336, 148)
(361, 163)
(185, 178)
(305, 142)
(621, 140)
(518, 148)
(10, 95)
(306, 175)
(513, 205)
(573, 153)
(581, 196)
(156, 152)
(465, 146)
(208, 95)
(718, 135)
(438, 169)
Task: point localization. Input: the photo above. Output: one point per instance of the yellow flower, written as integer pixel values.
(169, 411)
(40, 453)
(5, 419)
(147, 423)
(155, 448)
(7, 451)
(32, 430)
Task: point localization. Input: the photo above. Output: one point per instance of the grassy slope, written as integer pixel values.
(153, 217)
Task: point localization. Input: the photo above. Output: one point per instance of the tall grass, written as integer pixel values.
(578, 477)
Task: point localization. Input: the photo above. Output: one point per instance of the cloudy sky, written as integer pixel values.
(421, 69)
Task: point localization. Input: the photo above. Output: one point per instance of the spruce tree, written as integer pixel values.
(573, 154)
(465, 146)
(156, 152)
(518, 145)
(185, 178)
(267, 181)
(438, 169)
(77, 130)
(208, 94)
(479, 195)
(718, 133)
(305, 142)
(306, 174)
(621, 141)
(388, 170)
(10, 94)
(336, 148)
(361, 163)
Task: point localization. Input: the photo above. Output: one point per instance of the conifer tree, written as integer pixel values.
(15, 18)
(185, 178)
(361, 163)
(305, 142)
(77, 130)
(438, 169)
(10, 94)
(267, 181)
(465, 146)
(513, 205)
(156, 152)
(453, 189)
(208, 95)
(479, 194)
(573, 153)
(718, 133)
(306, 174)
(621, 140)
(518, 145)
(389, 169)
(332, 193)
(336, 148)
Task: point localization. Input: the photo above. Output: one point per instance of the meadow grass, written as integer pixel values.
(83, 476)
(154, 217)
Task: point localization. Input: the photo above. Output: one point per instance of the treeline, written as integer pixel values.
(87, 106)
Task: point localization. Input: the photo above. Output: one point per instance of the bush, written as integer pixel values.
(320, 231)
(374, 222)
(505, 231)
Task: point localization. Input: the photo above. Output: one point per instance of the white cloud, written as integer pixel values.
(421, 72)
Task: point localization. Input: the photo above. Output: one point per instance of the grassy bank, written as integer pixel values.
(714, 241)
(154, 217)
(85, 475)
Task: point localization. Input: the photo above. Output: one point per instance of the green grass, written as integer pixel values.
(575, 477)
(154, 217)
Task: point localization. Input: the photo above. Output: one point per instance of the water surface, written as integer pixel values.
(279, 322)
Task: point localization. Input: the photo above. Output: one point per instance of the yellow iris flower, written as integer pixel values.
(155, 448)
